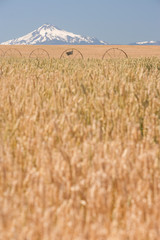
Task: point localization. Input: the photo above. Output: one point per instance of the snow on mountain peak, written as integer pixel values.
(47, 26)
(49, 34)
(146, 43)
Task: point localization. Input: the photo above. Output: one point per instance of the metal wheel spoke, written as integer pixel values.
(71, 54)
(1, 53)
(114, 53)
(13, 53)
(109, 55)
(39, 53)
(76, 55)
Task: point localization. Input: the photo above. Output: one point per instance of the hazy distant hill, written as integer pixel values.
(146, 43)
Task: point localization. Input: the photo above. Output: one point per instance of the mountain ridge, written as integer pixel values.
(49, 34)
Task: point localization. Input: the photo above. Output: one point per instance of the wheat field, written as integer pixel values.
(90, 51)
(80, 149)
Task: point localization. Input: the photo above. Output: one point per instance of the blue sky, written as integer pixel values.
(114, 21)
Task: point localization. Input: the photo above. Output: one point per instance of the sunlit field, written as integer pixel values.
(88, 51)
(80, 149)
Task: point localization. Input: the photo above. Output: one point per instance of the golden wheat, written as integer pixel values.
(80, 149)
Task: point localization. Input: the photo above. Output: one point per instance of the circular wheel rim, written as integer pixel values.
(71, 53)
(115, 53)
(39, 53)
(12, 52)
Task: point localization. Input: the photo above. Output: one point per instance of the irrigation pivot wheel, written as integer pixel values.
(12, 52)
(115, 53)
(39, 53)
(1, 53)
(72, 54)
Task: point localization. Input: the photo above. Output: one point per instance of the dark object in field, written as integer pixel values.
(115, 53)
(69, 53)
(72, 54)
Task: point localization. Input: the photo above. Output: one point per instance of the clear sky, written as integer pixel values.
(114, 21)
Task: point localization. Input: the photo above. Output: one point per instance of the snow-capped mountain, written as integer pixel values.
(48, 34)
(146, 43)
